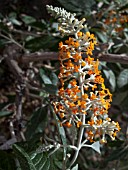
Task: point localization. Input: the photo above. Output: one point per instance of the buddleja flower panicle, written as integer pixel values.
(68, 24)
(82, 89)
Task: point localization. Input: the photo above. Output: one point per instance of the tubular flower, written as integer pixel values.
(82, 89)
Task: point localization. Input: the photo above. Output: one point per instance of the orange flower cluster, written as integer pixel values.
(82, 89)
(117, 20)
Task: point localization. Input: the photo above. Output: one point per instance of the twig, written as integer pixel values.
(8, 145)
(9, 54)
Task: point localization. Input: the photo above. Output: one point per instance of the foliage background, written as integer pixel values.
(27, 88)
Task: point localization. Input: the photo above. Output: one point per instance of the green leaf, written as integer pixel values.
(2, 42)
(5, 113)
(61, 133)
(7, 161)
(15, 21)
(44, 77)
(125, 7)
(122, 79)
(102, 36)
(38, 25)
(78, 6)
(37, 122)
(39, 160)
(119, 153)
(27, 19)
(47, 165)
(111, 78)
(54, 78)
(45, 42)
(4, 28)
(36, 161)
(24, 159)
(51, 89)
(60, 130)
(75, 167)
(119, 98)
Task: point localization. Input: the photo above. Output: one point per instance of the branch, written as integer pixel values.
(114, 58)
(41, 56)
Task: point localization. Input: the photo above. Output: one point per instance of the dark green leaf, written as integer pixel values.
(47, 165)
(36, 161)
(119, 153)
(111, 79)
(2, 42)
(37, 122)
(4, 28)
(27, 19)
(44, 77)
(115, 67)
(38, 25)
(51, 89)
(54, 78)
(61, 133)
(102, 37)
(39, 160)
(5, 113)
(125, 7)
(122, 79)
(119, 98)
(45, 42)
(7, 161)
(24, 159)
(77, 6)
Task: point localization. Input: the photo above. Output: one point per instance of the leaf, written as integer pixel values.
(27, 19)
(115, 67)
(4, 28)
(125, 7)
(35, 161)
(119, 153)
(15, 21)
(51, 89)
(102, 37)
(45, 42)
(61, 131)
(47, 165)
(44, 77)
(37, 122)
(78, 6)
(38, 25)
(124, 103)
(5, 113)
(119, 98)
(111, 78)
(7, 161)
(96, 147)
(75, 167)
(24, 159)
(54, 78)
(122, 79)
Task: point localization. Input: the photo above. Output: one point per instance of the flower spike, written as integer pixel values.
(82, 89)
(68, 24)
